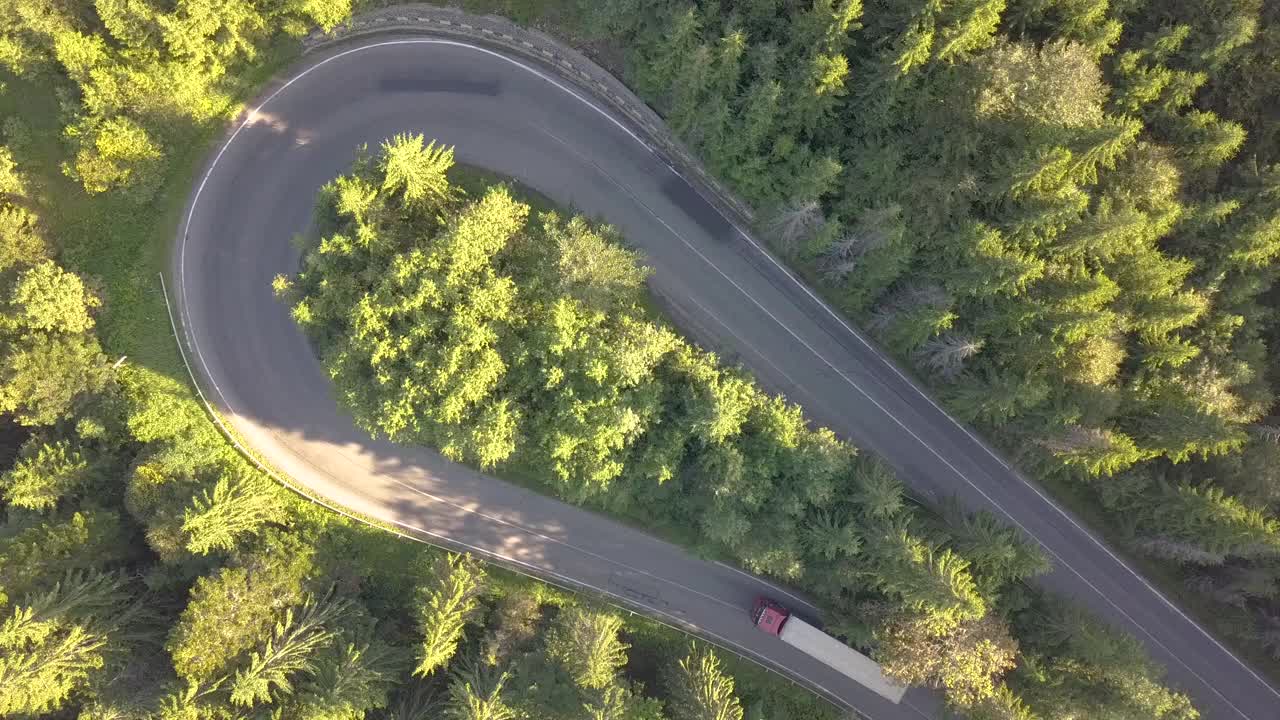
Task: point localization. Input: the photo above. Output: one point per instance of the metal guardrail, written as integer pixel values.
(567, 63)
(589, 76)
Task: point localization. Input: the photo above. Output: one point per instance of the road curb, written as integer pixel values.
(553, 55)
(185, 344)
(576, 74)
(442, 542)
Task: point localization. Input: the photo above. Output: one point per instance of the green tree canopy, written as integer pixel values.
(586, 642)
(448, 599)
(700, 690)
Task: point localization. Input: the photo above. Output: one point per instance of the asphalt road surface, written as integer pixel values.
(514, 119)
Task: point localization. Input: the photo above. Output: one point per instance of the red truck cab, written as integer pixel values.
(769, 615)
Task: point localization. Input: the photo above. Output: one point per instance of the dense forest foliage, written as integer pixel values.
(1065, 214)
(521, 341)
(146, 570)
(1006, 192)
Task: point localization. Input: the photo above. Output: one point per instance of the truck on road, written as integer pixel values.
(775, 619)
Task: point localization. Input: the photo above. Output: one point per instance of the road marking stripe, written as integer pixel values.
(771, 586)
(519, 527)
(621, 126)
(533, 571)
(1017, 474)
(942, 459)
(848, 380)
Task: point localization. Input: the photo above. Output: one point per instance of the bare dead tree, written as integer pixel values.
(835, 271)
(873, 230)
(1270, 433)
(904, 299)
(1200, 583)
(1269, 634)
(946, 354)
(852, 244)
(797, 223)
(1076, 439)
(882, 318)
(918, 295)
(1208, 586)
(1177, 550)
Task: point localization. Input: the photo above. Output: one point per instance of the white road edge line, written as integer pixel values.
(707, 311)
(769, 585)
(521, 528)
(942, 459)
(252, 115)
(621, 126)
(987, 449)
(1016, 473)
(1062, 561)
(531, 571)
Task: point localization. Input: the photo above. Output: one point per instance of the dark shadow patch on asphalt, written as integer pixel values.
(683, 196)
(406, 81)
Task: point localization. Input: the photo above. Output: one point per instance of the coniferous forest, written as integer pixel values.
(1063, 215)
(521, 342)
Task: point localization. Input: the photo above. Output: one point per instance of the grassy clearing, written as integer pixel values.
(121, 244)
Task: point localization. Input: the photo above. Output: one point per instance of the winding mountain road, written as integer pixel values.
(515, 119)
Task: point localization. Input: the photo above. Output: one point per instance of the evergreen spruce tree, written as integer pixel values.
(447, 600)
(700, 690)
(586, 642)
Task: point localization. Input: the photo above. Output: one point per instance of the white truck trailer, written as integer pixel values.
(776, 619)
